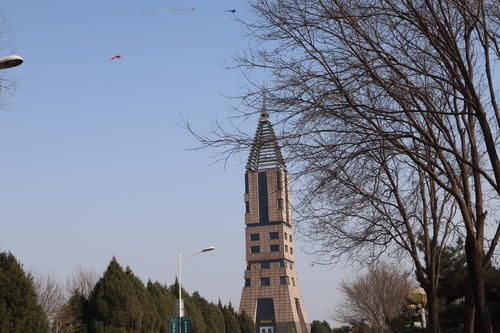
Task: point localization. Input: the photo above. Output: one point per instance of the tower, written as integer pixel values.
(271, 295)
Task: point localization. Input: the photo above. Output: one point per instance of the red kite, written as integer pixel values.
(116, 57)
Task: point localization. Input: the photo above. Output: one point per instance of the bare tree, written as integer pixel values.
(50, 294)
(408, 78)
(376, 205)
(55, 299)
(82, 282)
(65, 320)
(375, 297)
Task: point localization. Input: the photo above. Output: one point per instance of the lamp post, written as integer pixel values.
(179, 276)
(10, 61)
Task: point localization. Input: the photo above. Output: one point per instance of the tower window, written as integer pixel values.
(290, 238)
(246, 182)
(247, 207)
(265, 281)
(286, 248)
(254, 237)
(284, 280)
(291, 250)
(263, 204)
(274, 247)
(278, 179)
(255, 249)
(286, 237)
(280, 204)
(247, 282)
(274, 235)
(265, 265)
(293, 282)
(282, 263)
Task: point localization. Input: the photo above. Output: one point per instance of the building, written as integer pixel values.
(271, 295)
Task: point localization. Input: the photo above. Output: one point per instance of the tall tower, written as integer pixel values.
(271, 295)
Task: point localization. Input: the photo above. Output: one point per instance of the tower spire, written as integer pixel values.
(265, 152)
(264, 115)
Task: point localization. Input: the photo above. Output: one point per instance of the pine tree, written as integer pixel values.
(119, 302)
(150, 316)
(493, 295)
(246, 323)
(214, 319)
(456, 294)
(164, 302)
(190, 308)
(78, 309)
(194, 312)
(230, 319)
(19, 308)
(320, 327)
(343, 329)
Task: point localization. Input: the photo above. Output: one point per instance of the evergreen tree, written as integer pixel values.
(493, 296)
(194, 312)
(164, 302)
(119, 303)
(19, 308)
(343, 329)
(79, 308)
(320, 327)
(191, 309)
(230, 319)
(456, 294)
(150, 316)
(214, 319)
(246, 323)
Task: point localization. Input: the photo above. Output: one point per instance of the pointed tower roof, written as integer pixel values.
(265, 152)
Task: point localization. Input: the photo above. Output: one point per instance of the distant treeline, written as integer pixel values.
(118, 302)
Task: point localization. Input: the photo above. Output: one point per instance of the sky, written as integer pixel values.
(94, 161)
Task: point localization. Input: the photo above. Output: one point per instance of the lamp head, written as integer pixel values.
(10, 61)
(210, 248)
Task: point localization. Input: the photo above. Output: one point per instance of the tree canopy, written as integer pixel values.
(20, 311)
(120, 302)
(374, 298)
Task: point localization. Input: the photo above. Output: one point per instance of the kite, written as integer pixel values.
(116, 57)
(176, 9)
(230, 10)
(160, 10)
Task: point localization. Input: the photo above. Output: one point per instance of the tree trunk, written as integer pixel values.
(433, 323)
(470, 312)
(476, 273)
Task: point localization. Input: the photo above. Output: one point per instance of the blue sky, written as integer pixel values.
(93, 162)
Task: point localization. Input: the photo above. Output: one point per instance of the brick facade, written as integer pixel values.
(270, 273)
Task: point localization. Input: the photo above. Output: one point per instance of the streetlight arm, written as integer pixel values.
(179, 276)
(211, 248)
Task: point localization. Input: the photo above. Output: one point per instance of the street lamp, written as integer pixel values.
(10, 61)
(179, 276)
